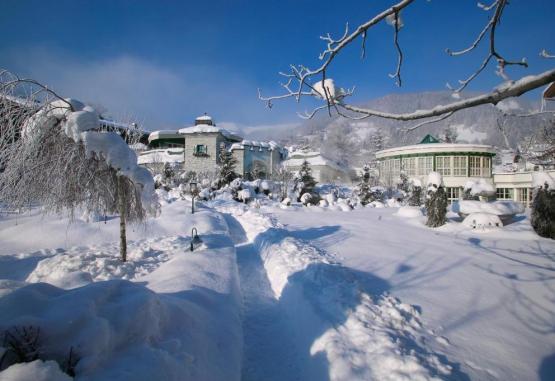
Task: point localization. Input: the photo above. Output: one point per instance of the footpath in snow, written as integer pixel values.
(307, 317)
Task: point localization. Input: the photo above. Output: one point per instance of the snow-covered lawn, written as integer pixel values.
(166, 314)
(283, 293)
(486, 300)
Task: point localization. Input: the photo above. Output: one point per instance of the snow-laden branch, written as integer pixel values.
(315, 83)
(506, 90)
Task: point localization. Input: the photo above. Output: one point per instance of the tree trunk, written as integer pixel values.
(122, 212)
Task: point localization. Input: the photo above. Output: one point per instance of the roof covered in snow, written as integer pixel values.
(314, 158)
(207, 129)
(251, 144)
(164, 134)
(436, 148)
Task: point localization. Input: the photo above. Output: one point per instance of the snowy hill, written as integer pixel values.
(355, 141)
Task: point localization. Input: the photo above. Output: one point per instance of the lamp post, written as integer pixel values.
(194, 192)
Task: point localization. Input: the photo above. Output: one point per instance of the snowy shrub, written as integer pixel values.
(305, 198)
(37, 370)
(474, 189)
(265, 187)
(482, 221)
(415, 192)
(323, 203)
(436, 201)
(286, 201)
(543, 206)
(244, 195)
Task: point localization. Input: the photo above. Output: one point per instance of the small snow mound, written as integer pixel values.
(377, 204)
(37, 370)
(499, 208)
(409, 212)
(483, 221)
(480, 187)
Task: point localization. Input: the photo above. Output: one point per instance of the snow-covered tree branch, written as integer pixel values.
(301, 81)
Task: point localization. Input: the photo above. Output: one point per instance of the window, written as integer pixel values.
(425, 165)
(475, 166)
(525, 196)
(452, 193)
(443, 165)
(396, 168)
(409, 166)
(504, 193)
(201, 150)
(486, 167)
(459, 166)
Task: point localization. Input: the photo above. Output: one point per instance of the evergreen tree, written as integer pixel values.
(436, 201)
(415, 194)
(364, 193)
(305, 177)
(227, 167)
(543, 212)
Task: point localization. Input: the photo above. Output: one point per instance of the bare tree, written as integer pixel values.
(302, 81)
(54, 153)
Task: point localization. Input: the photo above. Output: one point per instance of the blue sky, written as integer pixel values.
(165, 62)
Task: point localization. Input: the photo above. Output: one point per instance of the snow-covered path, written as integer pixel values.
(308, 317)
(269, 349)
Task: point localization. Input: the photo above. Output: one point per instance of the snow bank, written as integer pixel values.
(37, 370)
(409, 212)
(499, 208)
(482, 221)
(479, 187)
(179, 319)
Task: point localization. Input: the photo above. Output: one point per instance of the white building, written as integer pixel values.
(324, 170)
(457, 163)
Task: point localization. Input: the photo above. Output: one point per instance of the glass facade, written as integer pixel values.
(446, 165)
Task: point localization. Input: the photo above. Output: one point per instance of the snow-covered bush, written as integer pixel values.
(436, 201)
(286, 201)
(482, 221)
(543, 205)
(244, 195)
(323, 203)
(305, 198)
(415, 192)
(474, 189)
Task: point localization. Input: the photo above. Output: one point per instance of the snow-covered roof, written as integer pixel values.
(435, 148)
(169, 155)
(206, 129)
(271, 145)
(315, 158)
(204, 117)
(161, 134)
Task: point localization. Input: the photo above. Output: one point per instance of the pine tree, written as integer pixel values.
(227, 167)
(543, 212)
(305, 177)
(364, 192)
(415, 194)
(436, 201)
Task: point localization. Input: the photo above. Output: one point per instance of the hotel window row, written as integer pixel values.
(457, 166)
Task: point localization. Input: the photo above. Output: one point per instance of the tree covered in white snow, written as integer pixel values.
(543, 206)
(306, 182)
(436, 201)
(227, 167)
(415, 192)
(53, 153)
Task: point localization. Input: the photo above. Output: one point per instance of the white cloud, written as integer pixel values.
(129, 87)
